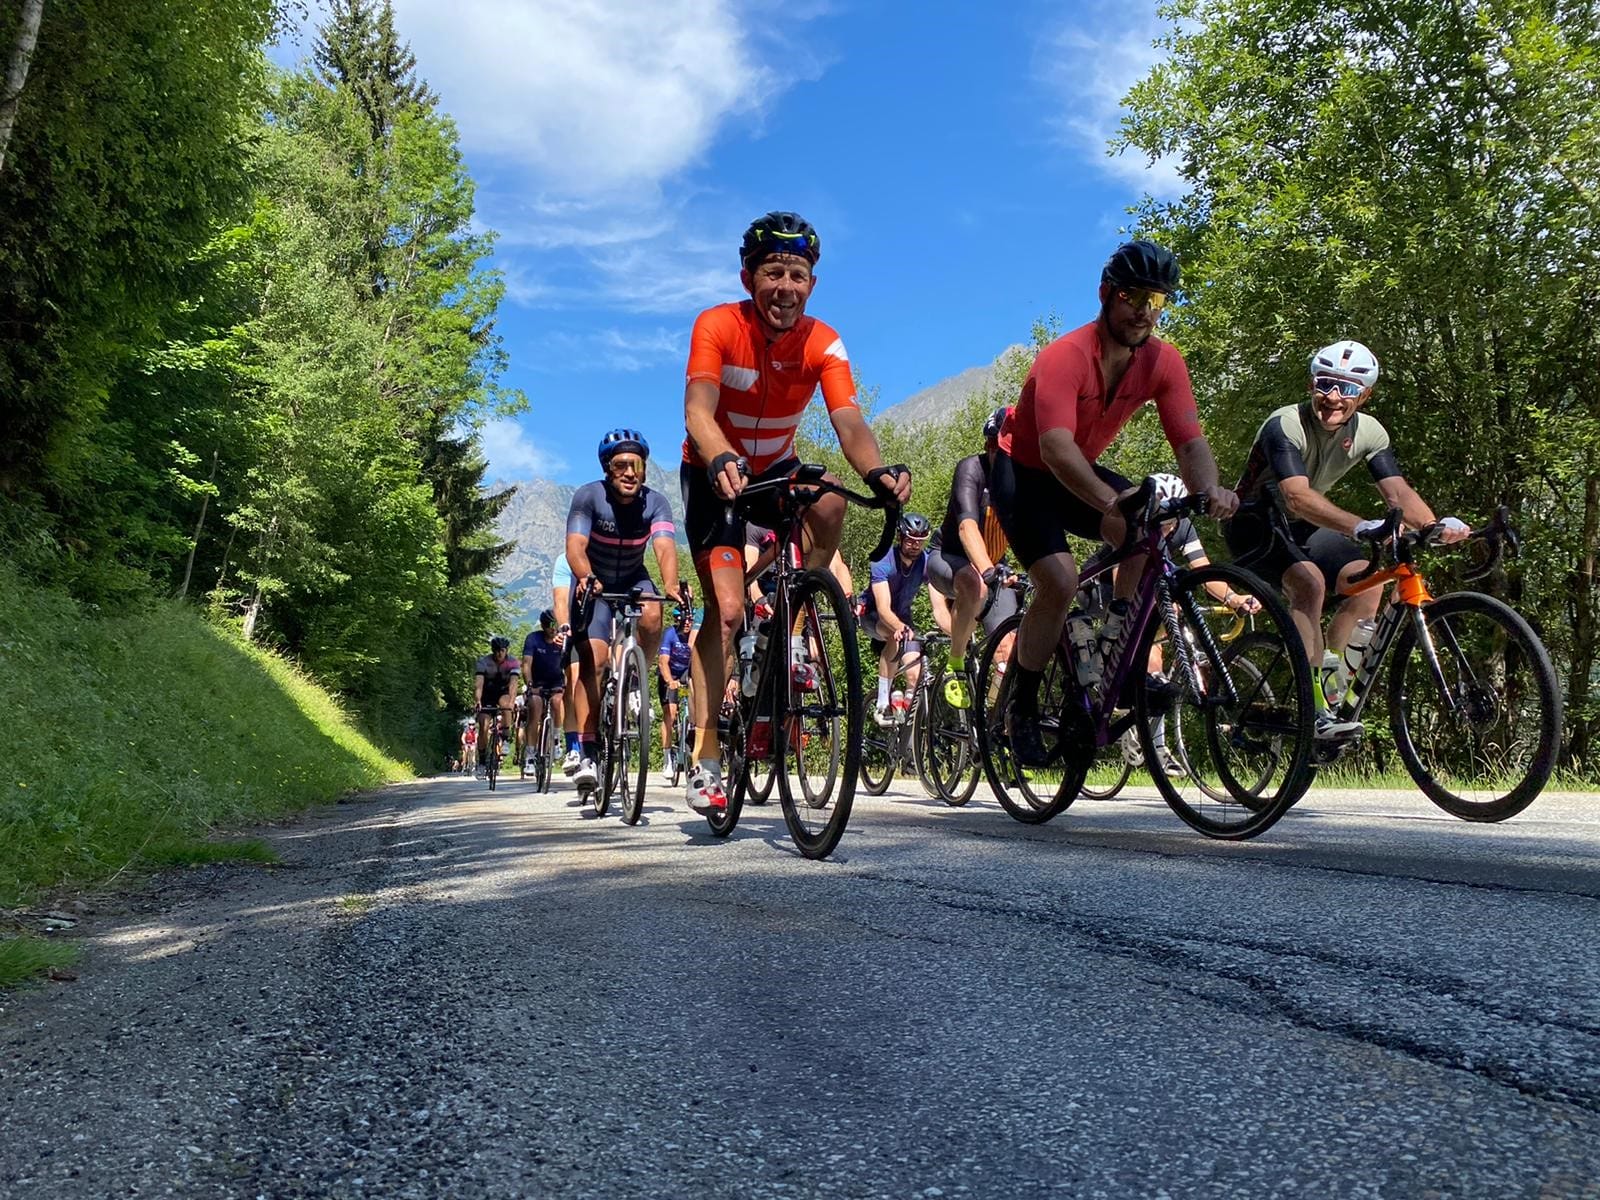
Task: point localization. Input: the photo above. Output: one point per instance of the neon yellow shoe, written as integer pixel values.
(958, 691)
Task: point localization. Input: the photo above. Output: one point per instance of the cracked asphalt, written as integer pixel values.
(448, 992)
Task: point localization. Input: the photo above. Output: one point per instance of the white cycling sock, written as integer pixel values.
(883, 692)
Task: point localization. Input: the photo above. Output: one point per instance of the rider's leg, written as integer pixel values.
(1055, 583)
(649, 631)
(964, 619)
(1341, 560)
(1303, 588)
(721, 574)
(823, 526)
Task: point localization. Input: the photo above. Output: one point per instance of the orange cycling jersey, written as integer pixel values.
(763, 386)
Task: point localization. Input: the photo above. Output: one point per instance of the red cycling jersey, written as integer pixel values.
(1065, 390)
(764, 387)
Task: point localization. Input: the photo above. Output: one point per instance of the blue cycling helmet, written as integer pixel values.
(619, 440)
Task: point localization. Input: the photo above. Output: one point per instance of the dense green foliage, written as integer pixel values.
(1425, 178)
(134, 734)
(249, 336)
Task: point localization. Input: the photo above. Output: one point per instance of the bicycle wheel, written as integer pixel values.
(606, 766)
(680, 744)
(1033, 795)
(879, 754)
(948, 749)
(760, 778)
(1237, 710)
(1474, 706)
(818, 731)
(541, 762)
(1108, 774)
(633, 735)
(733, 739)
(496, 752)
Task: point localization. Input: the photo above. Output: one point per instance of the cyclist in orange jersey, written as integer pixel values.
(753, 367)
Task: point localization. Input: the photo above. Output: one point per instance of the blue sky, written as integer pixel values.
(951, 155)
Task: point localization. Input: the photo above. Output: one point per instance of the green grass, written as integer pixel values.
(194, 852)
(24, 957)
(130, 737)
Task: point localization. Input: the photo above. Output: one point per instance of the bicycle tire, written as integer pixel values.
(1035, 795)
(733, 745)
(1484, 699)
(879, 757)
(1269, 723)
(833, 710)
(1109, 793)
(633, 734)
(606, 767)
(947, 747)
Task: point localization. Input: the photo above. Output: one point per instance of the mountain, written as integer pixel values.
(934, 404)
(536, 520)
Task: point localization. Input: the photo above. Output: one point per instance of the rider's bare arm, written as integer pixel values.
(1305, 503)
(667, 559)
(972, 545)
(887, 619)
(1198, 467)
(700, 422)
(1397, 493)
(578, 557)
(861, 448)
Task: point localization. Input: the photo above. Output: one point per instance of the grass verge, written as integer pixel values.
(134, 735)
(24, 957)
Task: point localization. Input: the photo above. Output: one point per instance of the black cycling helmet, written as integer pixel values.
(497, 644)
(779, 233)
(547, 619)
(915, 525)
(1142, 264)
(991, 427)
(619, 440)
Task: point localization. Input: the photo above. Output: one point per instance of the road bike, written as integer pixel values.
(624, 753)
(495, 743)
(1474, 704)
(802, 710)
(539, 749)
(1237, 703)
(890, 747)
(682, 737)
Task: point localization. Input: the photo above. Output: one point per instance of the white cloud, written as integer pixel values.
(610, 350)
(1090, 75)
(589, 96)
(513, 454)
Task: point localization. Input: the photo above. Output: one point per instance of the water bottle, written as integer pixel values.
(747, 665)
(1085, 651)
(899, 706)
(1111, 632)
(799, 669)
(1355, 650)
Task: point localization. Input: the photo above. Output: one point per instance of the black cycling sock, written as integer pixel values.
(1025, 690)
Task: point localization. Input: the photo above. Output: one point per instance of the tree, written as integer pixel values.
(17, 72)
(1423, 177)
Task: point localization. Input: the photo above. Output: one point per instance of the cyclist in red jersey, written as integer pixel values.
(753, 367)
(1083, 388)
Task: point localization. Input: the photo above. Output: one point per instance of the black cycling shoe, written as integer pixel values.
(1027, 742)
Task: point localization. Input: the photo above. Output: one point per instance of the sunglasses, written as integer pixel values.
(627, 466)
(1345, 387)
(1138, 298)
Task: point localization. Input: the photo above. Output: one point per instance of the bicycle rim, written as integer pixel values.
(732, 749)
(1238, 716)
(948, 747)
(824, 721)
(1483, 748)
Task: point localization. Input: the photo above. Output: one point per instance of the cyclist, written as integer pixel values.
(561, 593)
(608, 526)
(753, 367)
(1300, 451)
(1082, 389)
(494, 685)
(543, 652)
(469, 745)
(962, 556)
(886, 609)
(673, 667)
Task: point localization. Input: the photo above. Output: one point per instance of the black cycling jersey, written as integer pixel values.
(618, 531)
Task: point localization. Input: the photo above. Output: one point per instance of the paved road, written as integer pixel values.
(448, 994)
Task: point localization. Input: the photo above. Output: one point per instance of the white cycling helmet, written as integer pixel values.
(1168, 486)
(1346, 360)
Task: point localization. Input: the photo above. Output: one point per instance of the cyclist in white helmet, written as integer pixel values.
(1300, 452)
